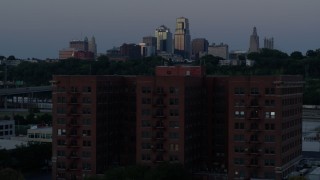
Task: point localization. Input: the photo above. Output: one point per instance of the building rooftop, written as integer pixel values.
(11, 144)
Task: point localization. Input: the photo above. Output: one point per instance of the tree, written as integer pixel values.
(311, 53)
(11, 58)
(10, 174)
(296, 55)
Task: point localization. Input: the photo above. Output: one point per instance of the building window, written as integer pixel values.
(86, 89)
(174, 147)
(253, 137)
(254, 91)
(174, 124)
(86, 100)
(146, 101)
(145, 123)
(146, 112)
(269, 150)
(61, 110)
(269, 126)
(86, 111)
(86, 143)
(269, 102)
(173, 158)
(239, 102)
(269, 91)
(61, 132)
(160, 90)
(238, 137)
(86, 154)
(74, 89)
(145, 157)
(86, 132)
(174, 112)
(269, 138)
(61, 121)
(269, 162)
(174, 90)
(61, 153)
(174, 135)
(86, 121)
(61, 165)
(239, 114)
(86, 166)
(61, 99)
(146, 134)
(146, 90)
(238, 149)
(270, 115)
(61, 142)
(239, 90)
(238, 125)
(146, 146)
(238, 161)
(174, 101)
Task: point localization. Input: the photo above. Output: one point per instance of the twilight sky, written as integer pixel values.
(39, 28)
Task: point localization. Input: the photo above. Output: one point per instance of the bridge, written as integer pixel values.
(24, 97)
(24, 90)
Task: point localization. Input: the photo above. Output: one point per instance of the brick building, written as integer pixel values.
(90, 130)
(245, 126)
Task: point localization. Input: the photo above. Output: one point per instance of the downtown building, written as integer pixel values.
(244, 126)
(182, 38)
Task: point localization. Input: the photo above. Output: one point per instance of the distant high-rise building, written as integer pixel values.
(150, 41)
(268, 43)
(182, 45)
(164, 39)
(79, 45)
(80, 49)
(130, 51)
(199, 46)
(221, 50)
(254, 41)
(148, 46)
(93, 46)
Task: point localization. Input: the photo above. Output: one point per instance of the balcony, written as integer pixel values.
(254, 130)
(253, 142)
(159, 116)
(159, 127)
(254, 118)
(159, 105)
(253, 165)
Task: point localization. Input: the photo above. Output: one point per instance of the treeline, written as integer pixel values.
(36, 74)
(26, 158)
(165, 171)
(267, 62)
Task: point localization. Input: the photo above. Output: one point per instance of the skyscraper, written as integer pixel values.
(164, 39)
(268, 43)
(93, 46)
(199, 45)
(254, 41)
(182, 45)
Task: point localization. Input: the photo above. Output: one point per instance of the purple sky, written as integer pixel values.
(39, 28)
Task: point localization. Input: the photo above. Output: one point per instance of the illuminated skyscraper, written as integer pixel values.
(182, 44)
(164, 39)
(254, 41)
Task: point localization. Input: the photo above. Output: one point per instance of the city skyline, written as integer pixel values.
(39, 29)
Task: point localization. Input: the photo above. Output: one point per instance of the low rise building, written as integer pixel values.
(7, 129)
(40, 134)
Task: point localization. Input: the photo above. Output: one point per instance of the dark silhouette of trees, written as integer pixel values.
(296, 55)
